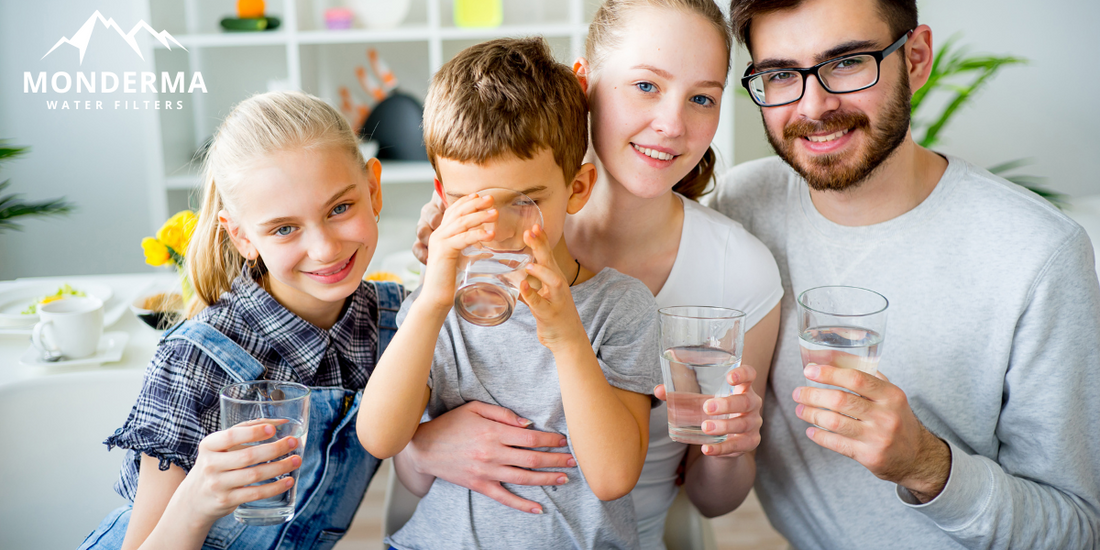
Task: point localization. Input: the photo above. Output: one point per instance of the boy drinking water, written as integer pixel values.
(579, 354)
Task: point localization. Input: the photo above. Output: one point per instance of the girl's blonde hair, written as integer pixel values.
(258, 127)
(606, 33)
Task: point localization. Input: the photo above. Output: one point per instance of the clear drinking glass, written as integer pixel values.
(489, 273)
(284, 405)
(699, 346)
(842, 326)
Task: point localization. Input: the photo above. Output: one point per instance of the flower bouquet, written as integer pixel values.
(162, 309)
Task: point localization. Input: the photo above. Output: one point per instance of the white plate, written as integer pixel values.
(18, 298)
(109, 350)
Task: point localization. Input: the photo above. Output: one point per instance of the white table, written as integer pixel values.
(56, 475)
(143, 339)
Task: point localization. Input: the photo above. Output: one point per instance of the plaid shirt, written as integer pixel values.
(178, 404)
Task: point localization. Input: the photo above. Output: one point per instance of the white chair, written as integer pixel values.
(55, 473)
(685, 527)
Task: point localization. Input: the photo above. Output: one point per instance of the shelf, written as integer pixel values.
(272, 38)
(394, 172)
(354, 36)
(488, 33)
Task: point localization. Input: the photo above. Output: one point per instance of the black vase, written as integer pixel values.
(395, 125)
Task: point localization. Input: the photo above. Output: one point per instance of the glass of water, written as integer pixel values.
(284, 405)
(699, 346)
(489, 273)
(842, 326)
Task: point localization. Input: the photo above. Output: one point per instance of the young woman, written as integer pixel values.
(654, 73)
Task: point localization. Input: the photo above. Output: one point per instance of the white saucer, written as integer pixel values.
(109, 350)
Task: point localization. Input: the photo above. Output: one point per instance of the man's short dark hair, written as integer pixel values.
(900, 15)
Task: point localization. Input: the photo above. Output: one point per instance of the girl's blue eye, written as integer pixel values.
(645, 86)
(702, 100)
(340, 209)
(284, 231)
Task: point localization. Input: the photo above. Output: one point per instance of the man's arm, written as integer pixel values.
(1042, 490)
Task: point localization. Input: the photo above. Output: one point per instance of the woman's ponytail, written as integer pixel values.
(697, 182)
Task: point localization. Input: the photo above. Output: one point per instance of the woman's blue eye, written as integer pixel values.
(340, 209)
(702, 100)
(645, 86)
(284, 231)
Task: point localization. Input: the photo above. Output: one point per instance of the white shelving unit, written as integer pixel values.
(302, 55)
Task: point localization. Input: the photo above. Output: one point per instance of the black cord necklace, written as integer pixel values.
(578, 272)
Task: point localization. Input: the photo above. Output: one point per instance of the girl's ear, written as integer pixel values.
(237, 236)
(374, 172)
(439, 191)
(580, 68)
(581, 187)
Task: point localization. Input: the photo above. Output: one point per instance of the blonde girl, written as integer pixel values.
(287, 229)
(654, 72)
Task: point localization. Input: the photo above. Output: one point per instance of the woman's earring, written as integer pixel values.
(251, 264)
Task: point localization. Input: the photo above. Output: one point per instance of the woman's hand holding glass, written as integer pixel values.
(219, 481)
(743, 406)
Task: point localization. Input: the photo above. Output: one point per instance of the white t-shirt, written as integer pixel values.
(719, 263)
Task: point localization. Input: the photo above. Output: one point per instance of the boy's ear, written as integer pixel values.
(374, 173)
(237, 236)
(439, 191)
(581, 187)
(580, 68)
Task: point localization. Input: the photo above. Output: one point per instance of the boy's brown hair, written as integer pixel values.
(506, 97)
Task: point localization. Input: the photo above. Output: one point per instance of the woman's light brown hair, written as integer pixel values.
(506, 97)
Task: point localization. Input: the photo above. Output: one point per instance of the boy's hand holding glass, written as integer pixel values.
(552, 303)
(462, 226)
(219, 481)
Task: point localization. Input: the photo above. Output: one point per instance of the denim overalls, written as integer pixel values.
(335, 470)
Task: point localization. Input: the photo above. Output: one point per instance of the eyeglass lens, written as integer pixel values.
(846, 74)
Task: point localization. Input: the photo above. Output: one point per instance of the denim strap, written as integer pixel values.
(389, 303)
(230, 356)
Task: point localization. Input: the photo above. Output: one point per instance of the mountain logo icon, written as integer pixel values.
(84, 35)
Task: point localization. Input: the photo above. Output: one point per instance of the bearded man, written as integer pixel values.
(982, 429)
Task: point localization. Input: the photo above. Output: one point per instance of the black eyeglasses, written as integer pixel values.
(840, 75)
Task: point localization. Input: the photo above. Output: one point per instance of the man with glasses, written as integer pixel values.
(983, 428)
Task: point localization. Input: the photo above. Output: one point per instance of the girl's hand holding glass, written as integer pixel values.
(224, 469)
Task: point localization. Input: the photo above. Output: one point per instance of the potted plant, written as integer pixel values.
(12, 207)
(958, 73)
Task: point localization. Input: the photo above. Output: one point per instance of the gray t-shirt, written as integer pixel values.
(506, 365)
(992, 332)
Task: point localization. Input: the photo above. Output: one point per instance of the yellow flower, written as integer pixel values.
(383, 276)
(156, 254)
(176, 232)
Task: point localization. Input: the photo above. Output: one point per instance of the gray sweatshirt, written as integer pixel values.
(993, 332)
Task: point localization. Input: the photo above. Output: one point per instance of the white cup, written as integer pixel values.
(70, 327)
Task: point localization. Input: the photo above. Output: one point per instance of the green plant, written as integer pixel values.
(11, 207)
(956, 72)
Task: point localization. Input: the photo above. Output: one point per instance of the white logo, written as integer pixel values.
(82, 36)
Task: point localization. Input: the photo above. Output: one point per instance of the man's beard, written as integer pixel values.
(830, 172)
